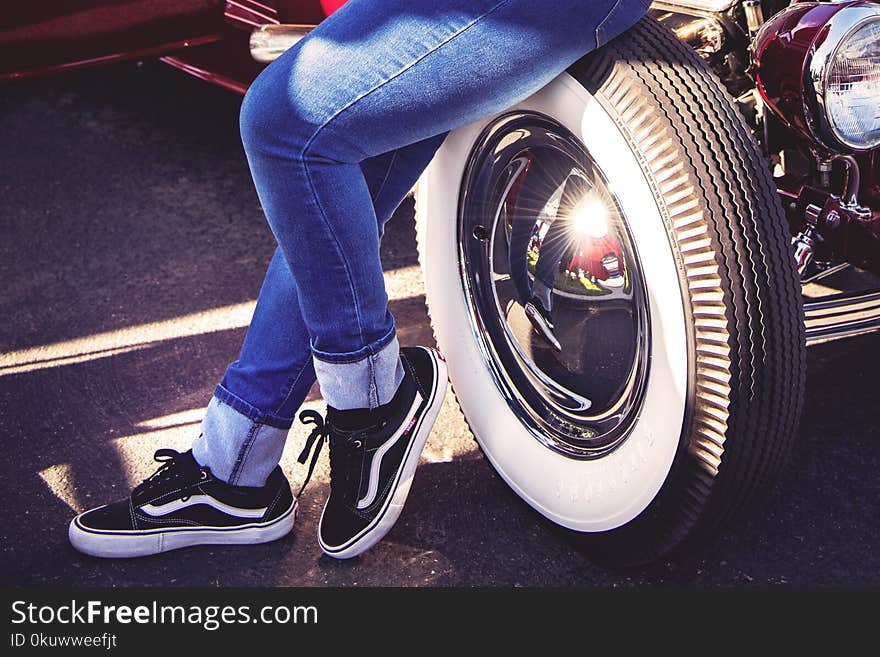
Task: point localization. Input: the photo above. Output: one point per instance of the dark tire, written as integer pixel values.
(739, 289)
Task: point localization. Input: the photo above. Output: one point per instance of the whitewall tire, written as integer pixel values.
(710, 252)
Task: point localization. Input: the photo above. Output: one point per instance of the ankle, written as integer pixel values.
(357, 419)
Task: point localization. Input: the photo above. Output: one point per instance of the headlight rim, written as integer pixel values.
(841, 26)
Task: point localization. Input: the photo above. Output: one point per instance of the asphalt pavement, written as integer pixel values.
(132, 248)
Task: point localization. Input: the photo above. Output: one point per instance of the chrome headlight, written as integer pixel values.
(842, 80)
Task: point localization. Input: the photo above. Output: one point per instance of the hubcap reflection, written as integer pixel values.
(554, 284)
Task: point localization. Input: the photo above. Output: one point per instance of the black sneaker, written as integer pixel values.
(180, 505)
(374, 454)
(541, 321)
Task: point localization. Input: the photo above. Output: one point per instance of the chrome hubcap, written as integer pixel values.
(554, 285)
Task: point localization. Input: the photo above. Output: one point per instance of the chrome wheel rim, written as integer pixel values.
(540, 225)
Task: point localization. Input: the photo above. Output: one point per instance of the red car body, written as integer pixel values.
(206, 38)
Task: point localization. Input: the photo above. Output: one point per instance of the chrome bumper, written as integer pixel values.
(268, 42)
(841, 316)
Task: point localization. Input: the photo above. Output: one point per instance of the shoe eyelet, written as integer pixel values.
(203, 475)
(358, 444)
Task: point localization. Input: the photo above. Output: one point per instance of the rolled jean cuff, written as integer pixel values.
(365, 383)
(237, 449)
(250, 411)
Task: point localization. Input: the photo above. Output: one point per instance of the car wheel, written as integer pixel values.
(662, 388)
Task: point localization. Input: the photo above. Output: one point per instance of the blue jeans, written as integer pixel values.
(336, 131)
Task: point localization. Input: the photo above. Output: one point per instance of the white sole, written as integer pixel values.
(389, 514)
(124, 544)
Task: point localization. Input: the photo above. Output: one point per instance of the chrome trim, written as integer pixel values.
(839, 28)
(263, 11)
(699, 5)
(804, 241)
(754, 16)
(249, 14)
(850, 196)
(557, 413)
(702, 33)
(825, 273)
(268, 42)
(841, 315)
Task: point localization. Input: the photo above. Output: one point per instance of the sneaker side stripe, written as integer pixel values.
(380, 517)
(376, 464)
(176, 505)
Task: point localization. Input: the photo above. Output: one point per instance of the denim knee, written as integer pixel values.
(278, 116)
(289, 111)
(255, 120)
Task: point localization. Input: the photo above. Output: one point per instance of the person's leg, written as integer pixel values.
(248, 418)
(229, 488)
(556, 241)
(524, 213)
(371, 78)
